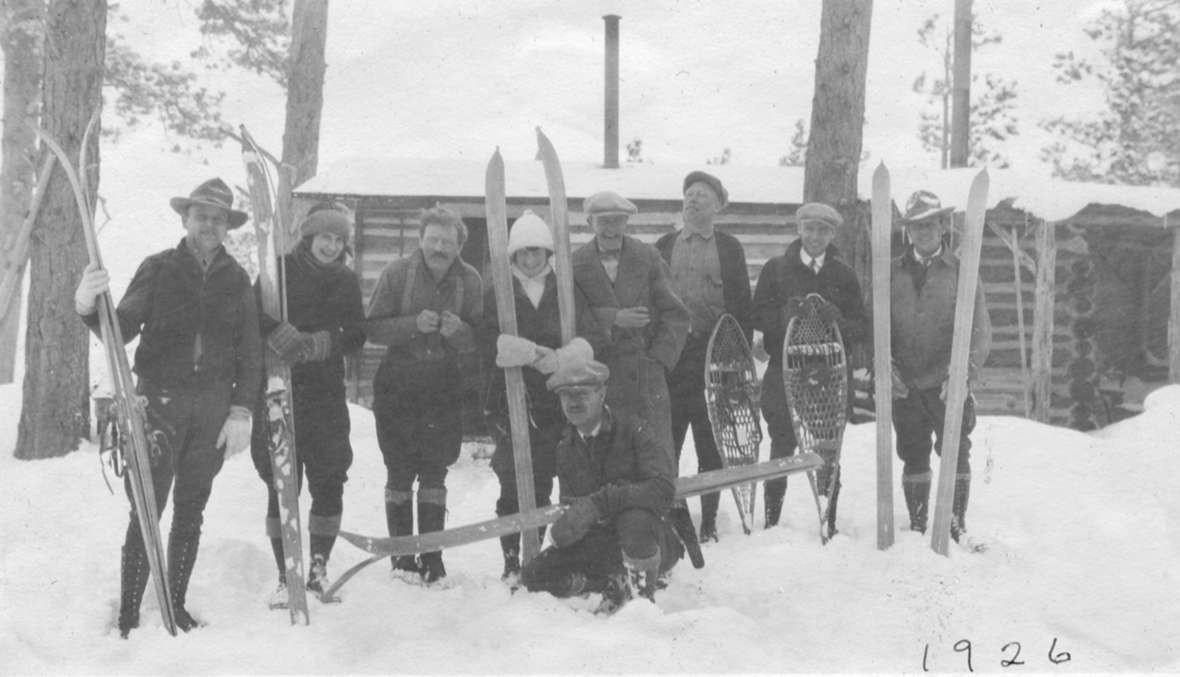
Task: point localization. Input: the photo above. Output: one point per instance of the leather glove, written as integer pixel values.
(235, 433)
(577, 350)
(449, 323)
(287, 342)
(573, 524)
(829, 313)
(317, 346)
(94, 282)
(514, 351)
(900, 389)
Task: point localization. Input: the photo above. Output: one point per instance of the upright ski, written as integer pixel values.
(882, 253)
(272, 246)
(956, 394)
(518, 414)
(129, 407)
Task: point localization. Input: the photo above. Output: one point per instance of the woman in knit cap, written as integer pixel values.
(538, 347)
(324, 321)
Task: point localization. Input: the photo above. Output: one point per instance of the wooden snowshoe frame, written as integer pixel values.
(732, 393)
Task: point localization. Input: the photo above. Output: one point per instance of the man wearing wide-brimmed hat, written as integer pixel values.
(199, 367)
(924, 283)
(811, 265)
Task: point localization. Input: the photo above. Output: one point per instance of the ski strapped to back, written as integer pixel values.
(130, 408)
(496, 209)
(882, 253)
(815, 378)
(686, 487)
(272, 247)
(732, 392)
(956, 393)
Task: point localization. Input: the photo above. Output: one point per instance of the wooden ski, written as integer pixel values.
(130, 407)
(559, 223)
(882, 253)
(272, 246)
(956, 394)
(496, 209)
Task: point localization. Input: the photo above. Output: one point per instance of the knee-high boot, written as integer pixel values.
(322, 532)
(133, 578)
(399, 517)
(959, 506)
(709, 503)
(182, 557)
(432, 510)
(917, 499)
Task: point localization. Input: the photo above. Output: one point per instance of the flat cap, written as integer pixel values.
(578, 373)
(608, 202)
(818, 211)
(710, 181)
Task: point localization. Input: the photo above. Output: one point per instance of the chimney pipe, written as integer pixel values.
(610, 148)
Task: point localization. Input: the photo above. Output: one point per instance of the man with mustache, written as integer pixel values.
(709, 275)
(199, 363)
(424, 310)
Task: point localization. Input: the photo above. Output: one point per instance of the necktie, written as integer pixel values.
(815, 266)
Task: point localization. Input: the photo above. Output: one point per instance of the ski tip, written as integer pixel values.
(880, 168)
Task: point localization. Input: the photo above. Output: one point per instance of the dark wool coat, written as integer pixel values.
(923, 320)
(621, 467)
(195, 327)
(785, 277)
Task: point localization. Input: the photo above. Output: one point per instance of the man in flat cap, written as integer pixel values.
(199, 363)
(709, 275)
(618, 483)
(924, 281)
(424, 309)
(628, 287)
(811, 265)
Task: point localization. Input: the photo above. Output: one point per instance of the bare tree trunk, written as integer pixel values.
(55, 410)
(305, 99)
(837, 126)
(24, 21)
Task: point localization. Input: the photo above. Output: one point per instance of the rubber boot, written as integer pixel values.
(709, 503)
(959, 506)
(917, 499)
(399, 517)
(133, 577)
(182, 557)
(773, 500)
(432, 511)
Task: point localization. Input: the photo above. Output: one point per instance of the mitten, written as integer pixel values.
(286, 342)
(317, 346)
(573, 524)
(514, 351)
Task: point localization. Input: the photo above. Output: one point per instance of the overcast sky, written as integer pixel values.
(448, 78)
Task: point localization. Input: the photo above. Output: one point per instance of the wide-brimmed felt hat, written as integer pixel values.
(923, 205)
(214, 193)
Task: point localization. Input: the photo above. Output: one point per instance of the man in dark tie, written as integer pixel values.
(811, 265)
(923, 288)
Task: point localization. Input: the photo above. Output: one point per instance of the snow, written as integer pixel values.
(1084, 532)
(1042, 196)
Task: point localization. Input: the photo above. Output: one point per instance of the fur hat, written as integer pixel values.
(819, 212)
(578, 373)
(529, 231)
(327, 217)
(709, 180)
(214, 193)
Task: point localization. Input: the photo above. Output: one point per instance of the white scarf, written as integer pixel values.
(534, 287)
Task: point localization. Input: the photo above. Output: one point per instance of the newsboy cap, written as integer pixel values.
(578, 373)
(710, 181)
(818, 211)
(214, 193)
(608, 202)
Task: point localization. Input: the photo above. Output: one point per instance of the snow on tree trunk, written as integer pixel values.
(21, 42)
(837, 126)
(305, 99)
(55, 408)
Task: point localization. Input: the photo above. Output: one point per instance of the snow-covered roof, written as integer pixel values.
(1047, 198)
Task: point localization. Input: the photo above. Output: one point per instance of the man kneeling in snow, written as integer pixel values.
(618, 484)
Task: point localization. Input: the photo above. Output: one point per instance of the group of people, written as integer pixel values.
(608, 411)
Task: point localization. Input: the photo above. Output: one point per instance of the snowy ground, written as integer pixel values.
(1085, 535)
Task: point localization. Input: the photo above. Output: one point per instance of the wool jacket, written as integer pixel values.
(321, 297)
(923, 320)
(785, 277)
(394, 323)
(621, 467)
(195, 327)
(735, 277)
(642, 280)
